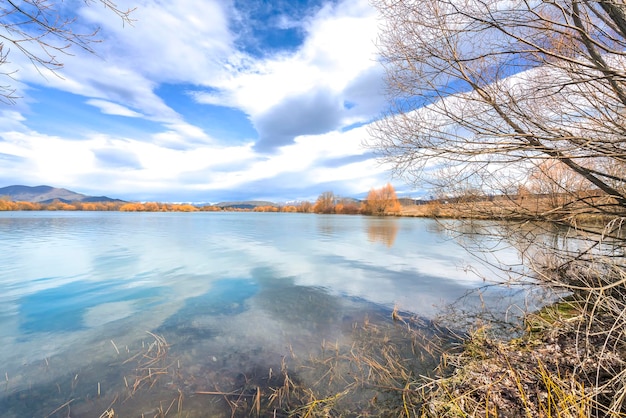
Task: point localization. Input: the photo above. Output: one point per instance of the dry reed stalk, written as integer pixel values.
(109, 413)
(61, 407)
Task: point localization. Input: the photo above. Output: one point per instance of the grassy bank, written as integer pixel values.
(554, 370)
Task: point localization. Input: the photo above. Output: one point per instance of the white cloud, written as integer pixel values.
(303, 88)
(125, 166)
(177, 41)
(113, 108)
(307, 95)
(12, 120)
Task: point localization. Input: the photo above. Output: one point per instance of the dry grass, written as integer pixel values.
(572, 361)
(585, 209)
(495, 379)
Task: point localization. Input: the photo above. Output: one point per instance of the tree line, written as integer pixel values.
(381, 201)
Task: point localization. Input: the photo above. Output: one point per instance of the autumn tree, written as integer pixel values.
(57, 204)
(347, 207)
(304, 207)
(132, 207)
(27, 206)
(210, 208)
(185, 207)
(90, 206)
(381, 201)
(7, 205)
(151, 207)
(265, 208)
(325, 203)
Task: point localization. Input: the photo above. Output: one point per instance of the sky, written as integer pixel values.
(204, 101)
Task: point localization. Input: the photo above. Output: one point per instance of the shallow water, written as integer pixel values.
(232, 294)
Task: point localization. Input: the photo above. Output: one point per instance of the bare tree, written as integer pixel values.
(481, 85)
(491, 93)
(553, 181)
(42, 30)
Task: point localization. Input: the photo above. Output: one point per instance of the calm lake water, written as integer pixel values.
(229, 292)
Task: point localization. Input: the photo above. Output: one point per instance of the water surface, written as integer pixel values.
(228, 291)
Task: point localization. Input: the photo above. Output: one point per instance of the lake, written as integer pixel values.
(95, 306)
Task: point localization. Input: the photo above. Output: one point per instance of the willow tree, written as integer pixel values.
(487, 93)
(44, 31)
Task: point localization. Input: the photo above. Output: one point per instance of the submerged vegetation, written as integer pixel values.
(380, 372)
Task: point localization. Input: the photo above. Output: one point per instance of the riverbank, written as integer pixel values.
(562, 366)
(509, 208)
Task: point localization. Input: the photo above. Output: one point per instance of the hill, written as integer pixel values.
(47, 194)
(248, 204)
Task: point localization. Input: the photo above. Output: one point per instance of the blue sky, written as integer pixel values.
(204, 101)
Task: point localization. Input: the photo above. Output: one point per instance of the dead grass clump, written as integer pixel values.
(151, 364)
(544, 374)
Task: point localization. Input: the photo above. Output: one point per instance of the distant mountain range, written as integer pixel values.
(247, 204)
(47, 194)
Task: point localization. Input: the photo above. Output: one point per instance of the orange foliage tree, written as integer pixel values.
(347, 207)
(325, 203)
(266, 208)
(185, 207)
(27, 206)
(381, 201)
(304, 207)
(6, 204)
(58, 205)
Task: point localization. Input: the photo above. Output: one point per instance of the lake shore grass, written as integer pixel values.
(510, 209)
(550, 371)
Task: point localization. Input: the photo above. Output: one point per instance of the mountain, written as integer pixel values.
(46, 194)
(248, 204)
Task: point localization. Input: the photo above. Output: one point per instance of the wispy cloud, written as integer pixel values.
(113, 108)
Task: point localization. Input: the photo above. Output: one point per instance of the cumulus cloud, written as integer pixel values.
(186, 40)
(12, 120)
(303, 99)
(305, 91)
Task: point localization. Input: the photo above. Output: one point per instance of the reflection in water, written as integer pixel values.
(326, 226)
(382, 230)
(238, 298)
